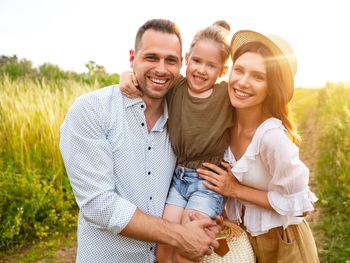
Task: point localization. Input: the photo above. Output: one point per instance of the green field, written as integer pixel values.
(37, 207)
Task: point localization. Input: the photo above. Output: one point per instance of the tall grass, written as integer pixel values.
(333, 172)
(35, 196)
(302, 104)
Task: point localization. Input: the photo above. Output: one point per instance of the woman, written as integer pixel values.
(266, 183)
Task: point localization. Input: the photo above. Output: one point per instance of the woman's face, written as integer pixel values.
(248, 81)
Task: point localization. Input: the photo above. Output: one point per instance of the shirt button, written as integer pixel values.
(142, 106)
(151, 248)
(142, 124)
(149, 173)
(149, 147)
(150, 198)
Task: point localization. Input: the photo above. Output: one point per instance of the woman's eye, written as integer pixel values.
(237, 70)
(259, 77)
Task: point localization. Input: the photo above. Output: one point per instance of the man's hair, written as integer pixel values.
(159, 25)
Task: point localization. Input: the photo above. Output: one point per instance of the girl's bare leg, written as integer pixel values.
(185, 218)
(164, 253)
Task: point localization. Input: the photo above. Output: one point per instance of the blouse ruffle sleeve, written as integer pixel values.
(288, 191)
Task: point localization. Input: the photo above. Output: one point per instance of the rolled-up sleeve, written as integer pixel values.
(88, 160)
(288, 191)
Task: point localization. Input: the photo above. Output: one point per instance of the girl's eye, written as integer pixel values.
(196, 60)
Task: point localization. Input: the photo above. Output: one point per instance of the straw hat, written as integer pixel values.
(281, 50)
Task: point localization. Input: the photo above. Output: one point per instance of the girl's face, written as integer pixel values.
(247, 86)
(204, 66)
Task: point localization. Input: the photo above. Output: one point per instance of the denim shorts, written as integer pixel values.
(187, 191)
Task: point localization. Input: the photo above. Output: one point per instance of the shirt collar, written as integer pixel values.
(128, 102)
(161, 123)
(131, 102)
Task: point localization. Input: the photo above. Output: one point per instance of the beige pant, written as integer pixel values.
(293, 244)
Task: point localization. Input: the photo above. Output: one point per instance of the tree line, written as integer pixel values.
(16, 68)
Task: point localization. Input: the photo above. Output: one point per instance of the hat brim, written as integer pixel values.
(243, 37)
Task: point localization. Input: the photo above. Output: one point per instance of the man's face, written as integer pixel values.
(157, 63)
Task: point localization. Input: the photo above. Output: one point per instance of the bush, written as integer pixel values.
(33, 208)
(14, 68)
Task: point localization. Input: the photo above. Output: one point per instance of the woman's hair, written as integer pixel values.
(276, 103)
(218, 32)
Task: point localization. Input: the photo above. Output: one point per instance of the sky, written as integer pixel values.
(69, 33)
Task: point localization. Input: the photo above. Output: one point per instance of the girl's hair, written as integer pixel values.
(276, 103)
(218, 32)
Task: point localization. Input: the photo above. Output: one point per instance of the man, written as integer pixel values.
(120, 162)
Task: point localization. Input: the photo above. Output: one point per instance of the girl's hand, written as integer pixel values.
(219, 180)
(129, 86)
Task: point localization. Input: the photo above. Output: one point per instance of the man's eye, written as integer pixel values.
(151, 59)
(172, 61)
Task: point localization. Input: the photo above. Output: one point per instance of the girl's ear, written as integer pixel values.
(186, 58)
(224, 70)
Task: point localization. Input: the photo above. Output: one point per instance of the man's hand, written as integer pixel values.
(213, 230)
(195, 241)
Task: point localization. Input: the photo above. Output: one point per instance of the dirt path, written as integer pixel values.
(60, 249)
(309, 153)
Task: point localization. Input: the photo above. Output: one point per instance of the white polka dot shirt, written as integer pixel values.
(115, 165)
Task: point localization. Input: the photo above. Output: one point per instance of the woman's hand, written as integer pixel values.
(220, 181)
(225, 183)
(129, 86)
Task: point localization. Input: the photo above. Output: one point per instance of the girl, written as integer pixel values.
(267, 187)
(200, 116)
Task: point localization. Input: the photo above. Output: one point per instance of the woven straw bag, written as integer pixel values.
(240, 249)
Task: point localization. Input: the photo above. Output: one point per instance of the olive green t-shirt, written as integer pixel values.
(199, 127)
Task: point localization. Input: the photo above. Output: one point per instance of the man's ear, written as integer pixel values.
(131, 56)
(186, 58)
(224, 70)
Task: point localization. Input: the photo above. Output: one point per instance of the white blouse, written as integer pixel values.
(271, 163)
